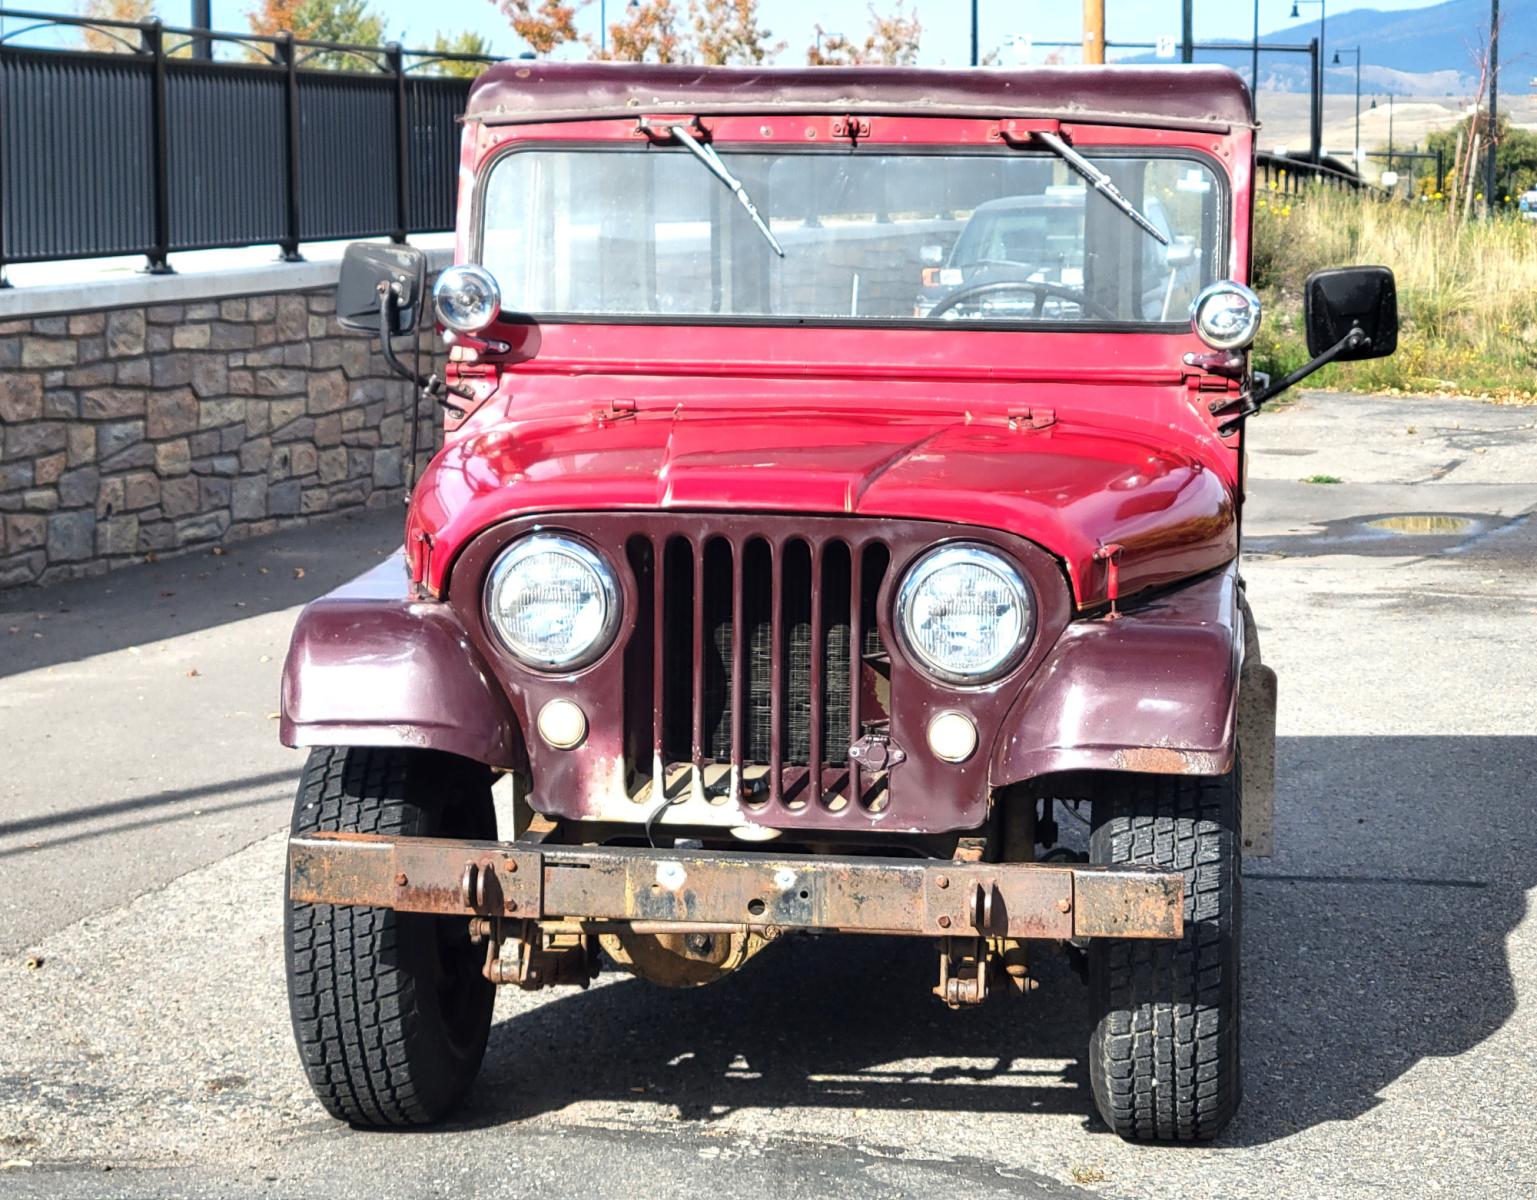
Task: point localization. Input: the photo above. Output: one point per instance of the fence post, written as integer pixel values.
(290, 60)
(4, 282)
(160, 151)
(1316, 127)
(396, 58)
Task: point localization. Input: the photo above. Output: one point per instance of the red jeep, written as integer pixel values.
(799, 572)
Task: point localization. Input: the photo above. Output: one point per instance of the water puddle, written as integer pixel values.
(1423, 523)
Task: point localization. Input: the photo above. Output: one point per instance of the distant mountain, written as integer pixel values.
(1421, 51)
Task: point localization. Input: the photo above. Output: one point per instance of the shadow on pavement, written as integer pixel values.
(1377, 940)
(61, 828)
(151, 601)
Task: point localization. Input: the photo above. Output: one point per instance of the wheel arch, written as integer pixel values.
(370, 665)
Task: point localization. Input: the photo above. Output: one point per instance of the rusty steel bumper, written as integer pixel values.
(675, 889)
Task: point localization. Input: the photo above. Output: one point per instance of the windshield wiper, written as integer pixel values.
(1098, 180)
(706, 154)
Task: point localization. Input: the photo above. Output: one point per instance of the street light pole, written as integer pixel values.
(1356, 50)
(1254, 47)
(976, 41)
(1323, 24)
(1187, 31)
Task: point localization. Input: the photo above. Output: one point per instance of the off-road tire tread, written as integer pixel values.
(370, 1049)
(1164, 1055)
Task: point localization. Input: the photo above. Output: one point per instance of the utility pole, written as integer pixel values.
(1491, 183)
(976, 39)
(1187, 31)
(1093, 31)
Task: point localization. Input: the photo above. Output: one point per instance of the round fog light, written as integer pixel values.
(562, 724)
(952, 737)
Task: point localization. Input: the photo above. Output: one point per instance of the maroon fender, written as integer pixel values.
(1152, 690)
(370, 666)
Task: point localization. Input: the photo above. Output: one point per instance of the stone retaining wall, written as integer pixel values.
(166, 427)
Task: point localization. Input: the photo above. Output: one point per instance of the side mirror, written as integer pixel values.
(371, 269)
(1335, 302)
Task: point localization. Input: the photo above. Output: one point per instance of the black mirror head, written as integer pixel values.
(367, 265)
(1338, 300)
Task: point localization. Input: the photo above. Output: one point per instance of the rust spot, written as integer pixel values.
(1160, 760)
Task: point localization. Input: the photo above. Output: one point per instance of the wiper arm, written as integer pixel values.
(1098, 180)
(706, 154)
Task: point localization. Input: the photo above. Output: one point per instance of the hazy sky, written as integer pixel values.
(946, 23)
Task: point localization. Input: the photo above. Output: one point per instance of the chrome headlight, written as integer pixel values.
(965, 613)
(466, 298)
(1226, 315)
(553, 602)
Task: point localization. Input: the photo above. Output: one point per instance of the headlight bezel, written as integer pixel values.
(584, 553)
(948, 554)
(455, 276)
(1244, 337)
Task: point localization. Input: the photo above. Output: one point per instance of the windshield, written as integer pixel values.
(1011, 237)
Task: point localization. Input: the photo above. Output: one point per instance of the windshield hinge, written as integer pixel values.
(1032, 418)
(1202, 382)
(851, 127)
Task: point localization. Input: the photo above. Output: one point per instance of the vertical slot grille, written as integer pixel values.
(759, 654)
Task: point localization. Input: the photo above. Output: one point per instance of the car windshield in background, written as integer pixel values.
(867, 236)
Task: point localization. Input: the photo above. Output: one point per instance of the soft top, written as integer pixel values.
(1190, 97)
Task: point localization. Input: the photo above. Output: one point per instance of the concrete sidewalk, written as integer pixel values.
(1390, 951)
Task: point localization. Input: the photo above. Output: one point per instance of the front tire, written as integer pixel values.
(390, 1010)
(1164, 1055)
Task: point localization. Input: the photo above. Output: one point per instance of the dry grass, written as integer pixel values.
(1467, 293)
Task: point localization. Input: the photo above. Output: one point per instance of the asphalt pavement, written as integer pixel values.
(1390, 954)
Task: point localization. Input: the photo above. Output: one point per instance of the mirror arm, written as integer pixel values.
(431, 385)
(1254, 401)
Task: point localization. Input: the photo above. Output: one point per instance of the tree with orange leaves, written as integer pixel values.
(543, 24)
(727, 32)
(892, 41)
(652, 31)
(111, 40)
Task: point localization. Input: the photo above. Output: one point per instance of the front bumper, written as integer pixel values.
(673, 890)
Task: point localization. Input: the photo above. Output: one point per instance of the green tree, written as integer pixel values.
(1515, 155)
(467, 42)
(351, 22)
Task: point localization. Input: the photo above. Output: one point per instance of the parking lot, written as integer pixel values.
(1390, 952)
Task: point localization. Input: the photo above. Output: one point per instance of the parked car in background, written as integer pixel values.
(1037, 242)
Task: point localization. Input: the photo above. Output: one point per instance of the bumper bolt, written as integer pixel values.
(400, 880)
(944, 922)
(512, 866)
(1064, 905)
(942, 882)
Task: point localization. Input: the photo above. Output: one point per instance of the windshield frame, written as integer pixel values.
(1220, 251)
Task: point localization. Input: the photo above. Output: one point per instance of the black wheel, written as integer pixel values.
(390, 1009)
(1163, 1058)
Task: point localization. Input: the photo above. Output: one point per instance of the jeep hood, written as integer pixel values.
(1071, 488)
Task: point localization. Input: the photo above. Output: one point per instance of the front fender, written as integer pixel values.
(1152, 690)
(369, 665)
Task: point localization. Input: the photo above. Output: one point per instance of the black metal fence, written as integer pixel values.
(149, 151)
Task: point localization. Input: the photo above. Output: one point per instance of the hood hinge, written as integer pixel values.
(1031, 418)
(617, 410)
